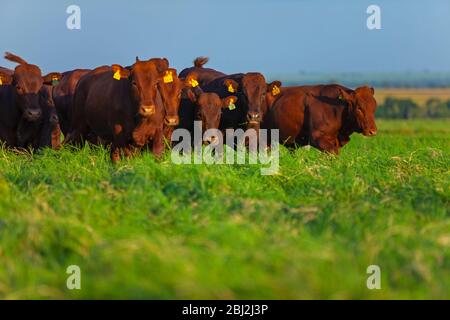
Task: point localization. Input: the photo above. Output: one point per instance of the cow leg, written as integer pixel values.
(158, 143)
(76, 137)
(326, 143)
(115, 153)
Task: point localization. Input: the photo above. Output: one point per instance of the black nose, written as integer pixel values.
(253, 117)
(33, 114)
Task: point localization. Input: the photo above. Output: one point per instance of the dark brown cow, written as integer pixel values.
(45, 132)
(63, 94)
(197, 105)
(208, 108)
(204, 75)
(322, 116)
(25, 108)
(122, 106)
(250, 88)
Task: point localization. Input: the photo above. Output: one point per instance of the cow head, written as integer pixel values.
(253, 89)
(362, 105)
(210, 106)
(27, 81)
(170, 88)
(144, 77)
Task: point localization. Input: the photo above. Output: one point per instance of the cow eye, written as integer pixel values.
(134, 83)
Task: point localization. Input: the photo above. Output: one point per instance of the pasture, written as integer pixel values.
(418, 95)
(143, 229)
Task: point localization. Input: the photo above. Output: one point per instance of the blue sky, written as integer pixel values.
(271, 36)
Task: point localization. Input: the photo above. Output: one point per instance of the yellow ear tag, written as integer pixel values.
(276, 90)
(231, 89)
(55, 81)
(231, 106)
(117, 75)
(193, 82)
(1, 83)
(340, 97)
(168, 78)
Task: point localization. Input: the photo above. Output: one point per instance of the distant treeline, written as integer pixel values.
(395, 108)
(380, 80)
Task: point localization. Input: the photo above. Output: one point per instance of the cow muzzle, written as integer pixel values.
(253, 117)
(171, 121)
(211, 140)
(147, 111)
(54, 119)
(32, 114)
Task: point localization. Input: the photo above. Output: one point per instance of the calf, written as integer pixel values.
(122, 106)
(250, 89)
(24, 113)
(325, 122)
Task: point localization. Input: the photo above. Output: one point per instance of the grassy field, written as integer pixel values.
(419, 95)
(145, 229)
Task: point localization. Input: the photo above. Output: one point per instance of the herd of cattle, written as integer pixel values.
(140, 105)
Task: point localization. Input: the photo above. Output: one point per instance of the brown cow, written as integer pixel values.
(45, 132)
(208, 108)
(204, 75)
(24, 113)
(122, 106)
(250, 88)
(63, 94)
(314, 116)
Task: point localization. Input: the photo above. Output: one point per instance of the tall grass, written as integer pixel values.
(148, 229)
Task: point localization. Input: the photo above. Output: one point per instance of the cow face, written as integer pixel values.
(254, 89)
(210, 107)
(27, 81)
(170, 89)
(363, 105)
(143, 77)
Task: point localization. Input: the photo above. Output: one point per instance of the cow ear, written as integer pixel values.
(228, 102)
(191, 81)
(162, 65)
(345, 96)
(52, 79)
(120, 72)
(372, 90)
(274, 88)
(137, 59)
(231, 85)
(5, 79)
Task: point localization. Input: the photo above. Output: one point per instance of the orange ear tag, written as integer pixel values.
(117, 75)
(168, 78)
(230, 88)
(1, 83)
(276, 90)
(193, 82)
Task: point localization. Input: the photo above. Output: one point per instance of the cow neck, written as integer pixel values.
(348, 121)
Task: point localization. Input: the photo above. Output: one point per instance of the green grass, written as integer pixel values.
(145, 229)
